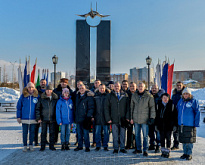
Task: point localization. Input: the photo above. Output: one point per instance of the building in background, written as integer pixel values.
(59, 75)
(141, 74)
(119, 77)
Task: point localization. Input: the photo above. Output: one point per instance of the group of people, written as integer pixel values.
(114, 108)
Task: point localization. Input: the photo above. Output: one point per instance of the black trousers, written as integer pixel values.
(56, 132)
(165, 135)
(36, 133)
(130, 136)
(51, 126)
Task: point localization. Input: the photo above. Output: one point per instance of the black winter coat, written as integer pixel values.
(58, 90)
(117, 110)
(99, 108)
(187, 134)
(84, 107)
(176, 95)
(166, 117)
(46, 108)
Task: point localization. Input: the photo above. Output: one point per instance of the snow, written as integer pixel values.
(199, 94)
(8, 95)
(189, 81)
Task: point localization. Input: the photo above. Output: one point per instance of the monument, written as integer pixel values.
(83, 48)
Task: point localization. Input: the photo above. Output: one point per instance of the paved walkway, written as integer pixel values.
(11, 151)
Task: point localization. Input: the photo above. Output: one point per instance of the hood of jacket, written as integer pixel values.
(106, 91)
(175, 91)
(26, 94)
(87, 92)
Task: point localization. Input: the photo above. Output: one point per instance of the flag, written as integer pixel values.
(47, 77)
(44, 75)
(33, 73)
(20, 80)
(170, 78)
(38, 79)
(164, 78)
(158, 74)
(25, 74)
(28, 70)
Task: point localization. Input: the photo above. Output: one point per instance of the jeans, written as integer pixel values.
(65, 133)
(83, 133)
(145, 131)
(51, 133)
(166, 135)
(154, 136)
(98, 138)
(31, 128)
(117, 131)
(187, 147)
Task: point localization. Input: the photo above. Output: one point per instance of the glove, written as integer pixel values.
(156, 129)
(150, 121)
(174, 128)
(19, 120)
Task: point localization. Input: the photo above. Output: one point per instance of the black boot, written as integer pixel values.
(63, 147)
(51, 147)
(67, 147)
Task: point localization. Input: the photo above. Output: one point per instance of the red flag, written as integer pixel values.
(33, 73)
(170, 78)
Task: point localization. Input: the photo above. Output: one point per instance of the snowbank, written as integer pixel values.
(199, 94)
(8, 95)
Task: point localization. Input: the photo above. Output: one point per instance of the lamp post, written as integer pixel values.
(55, 61)
(148, 61)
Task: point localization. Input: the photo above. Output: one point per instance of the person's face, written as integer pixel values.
(125, 85)
(43, 84)
(179, 86)
(31, 89)
(133, 87)
(102, 89)
(117, 87)
(111, 86)
(165, 99)
(97, 84)
(49, 92)
(79, 83)
(154, 89)
(63, 84)
(82, 89)
(186, 95)
(66, 94)
(141, 88)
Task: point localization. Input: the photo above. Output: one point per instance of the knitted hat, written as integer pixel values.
(186, 90)
(65, 90)
(65, 80)
(49, 87)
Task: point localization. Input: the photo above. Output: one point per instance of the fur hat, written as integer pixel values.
(186, 90)
(49, 87)
(65, 90)
(65, 80)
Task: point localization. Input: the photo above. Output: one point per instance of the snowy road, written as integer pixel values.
(11, 150)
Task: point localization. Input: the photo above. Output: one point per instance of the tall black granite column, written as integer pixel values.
(82, 51)
(103, 51)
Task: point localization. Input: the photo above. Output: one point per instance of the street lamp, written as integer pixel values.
(148, 61)
(55, 61)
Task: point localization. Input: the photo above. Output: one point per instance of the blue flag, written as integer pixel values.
(25, 75)
(164, 78)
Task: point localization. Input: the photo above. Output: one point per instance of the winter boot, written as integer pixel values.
(63, 147)
(67, 147)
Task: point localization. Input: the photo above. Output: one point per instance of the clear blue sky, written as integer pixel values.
(42, 28)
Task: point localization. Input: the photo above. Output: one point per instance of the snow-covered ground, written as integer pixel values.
(8, 95)
(199, 94)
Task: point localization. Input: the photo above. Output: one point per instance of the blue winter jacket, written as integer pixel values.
(64, 111)
(26, 105)
(188, 112)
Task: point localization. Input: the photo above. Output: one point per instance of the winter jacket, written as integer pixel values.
(46, 108)
(176, 95)
(84, 107)
(64, 111)
(59, 89)
(26, 107)
(188, 112)
(188, 119)
(166, 116)
(99, 107)
(117, 110)
(142, 108)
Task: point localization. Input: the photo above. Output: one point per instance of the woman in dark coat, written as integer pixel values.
(166, 122)
(188, 120)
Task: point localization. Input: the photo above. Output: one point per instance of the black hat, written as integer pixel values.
(111, 82)
(165, 94)
(49, 87)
